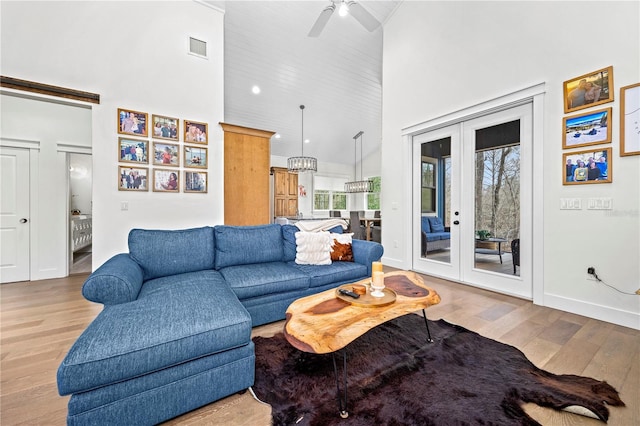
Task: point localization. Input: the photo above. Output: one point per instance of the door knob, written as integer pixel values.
(23, 220)
(456, 222)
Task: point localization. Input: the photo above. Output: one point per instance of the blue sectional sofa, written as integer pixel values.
(435, 236)
(175, 331)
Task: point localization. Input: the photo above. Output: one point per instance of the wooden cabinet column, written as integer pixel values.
(285, 192)
(247, 155)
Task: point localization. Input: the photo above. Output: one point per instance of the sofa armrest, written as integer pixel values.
(365, 252)
(117, 281)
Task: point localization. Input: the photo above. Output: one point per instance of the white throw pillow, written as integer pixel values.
(313, 248)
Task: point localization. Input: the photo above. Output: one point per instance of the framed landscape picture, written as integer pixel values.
(630, 120)
(165, 127)
(589, 128)
(165, 180)
(166, 154)
(588, 90)
(132, 179)
(195, 132)
(133, 151)
(583, 167)
(195, 156)
(195, 182)
(132, 122)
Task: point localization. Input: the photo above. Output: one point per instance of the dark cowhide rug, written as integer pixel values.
(396, 378)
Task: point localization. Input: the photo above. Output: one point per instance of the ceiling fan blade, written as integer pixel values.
(363, 16)
(322, 20)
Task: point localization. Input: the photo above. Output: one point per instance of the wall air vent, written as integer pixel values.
(197, 47)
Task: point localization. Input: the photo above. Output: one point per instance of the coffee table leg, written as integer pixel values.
(342, 400)
(424, 314)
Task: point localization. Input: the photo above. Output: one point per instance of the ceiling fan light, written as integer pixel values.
(344, 9)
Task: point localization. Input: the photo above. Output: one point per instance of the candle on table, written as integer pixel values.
(376, 267)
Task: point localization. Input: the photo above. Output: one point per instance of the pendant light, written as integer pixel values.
(358, 185)
(302, 164)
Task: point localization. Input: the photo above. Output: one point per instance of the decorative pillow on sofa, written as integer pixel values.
(341, 247)
(436, 224)
(313, 248)
(424, 221)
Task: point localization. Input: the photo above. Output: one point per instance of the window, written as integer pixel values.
(338, 201)
(373, 198)
(328, 193)
(428, 187)
(321, 199)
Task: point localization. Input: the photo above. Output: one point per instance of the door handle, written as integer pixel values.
(23, 220)
(456, 222)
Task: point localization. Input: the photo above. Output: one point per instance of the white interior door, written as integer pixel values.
(14, 215)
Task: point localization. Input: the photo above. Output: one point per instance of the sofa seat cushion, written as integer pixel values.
(161, 253)
(245, 245)
(184, 317)
(337, 272)
(260, 279)
(437, 236)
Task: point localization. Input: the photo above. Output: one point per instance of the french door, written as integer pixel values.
(472, 192)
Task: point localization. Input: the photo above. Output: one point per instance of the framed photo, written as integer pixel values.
(133, 151)
(584, 167)
(195, 132)
(589, 128)
(132, 122)
(195, 182)
(195, 156)
(630, 120)
(132, 179)
(165, 127)
(166, 180)
(166, 154)
(588, 90)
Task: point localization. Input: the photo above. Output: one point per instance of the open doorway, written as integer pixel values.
(80, 209)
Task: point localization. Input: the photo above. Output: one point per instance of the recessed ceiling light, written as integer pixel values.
(255, 90)
(307, 141)
(277, 135)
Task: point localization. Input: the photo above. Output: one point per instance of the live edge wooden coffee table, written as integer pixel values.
(327, 322)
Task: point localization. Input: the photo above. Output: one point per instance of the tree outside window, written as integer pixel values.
(320, 200)
(338, 201)
(373, 198)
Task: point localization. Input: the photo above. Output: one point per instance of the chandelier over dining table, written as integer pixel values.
(362, 185)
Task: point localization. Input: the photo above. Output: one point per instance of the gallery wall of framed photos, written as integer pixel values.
(592, 127)
(161, 158)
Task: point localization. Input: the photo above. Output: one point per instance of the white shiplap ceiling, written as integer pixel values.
(337, 76)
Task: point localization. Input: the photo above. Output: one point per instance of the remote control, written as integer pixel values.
(349, 293)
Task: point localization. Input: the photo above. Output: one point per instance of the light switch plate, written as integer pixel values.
(570, 204)
(604, 203)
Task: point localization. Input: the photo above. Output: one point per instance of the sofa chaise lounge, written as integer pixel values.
(175, 331)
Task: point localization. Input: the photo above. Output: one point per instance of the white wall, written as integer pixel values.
(134, 54)
(440, 57)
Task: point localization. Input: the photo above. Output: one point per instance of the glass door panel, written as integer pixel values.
(435, 234)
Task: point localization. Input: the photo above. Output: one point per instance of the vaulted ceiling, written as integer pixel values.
(337, 76)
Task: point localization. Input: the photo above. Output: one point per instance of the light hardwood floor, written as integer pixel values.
(41, 319)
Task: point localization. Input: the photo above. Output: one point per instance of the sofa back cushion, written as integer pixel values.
(436, 224)
(244, 245)
(161, 253)
(426, 228)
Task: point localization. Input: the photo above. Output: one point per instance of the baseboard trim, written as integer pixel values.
(592, 310)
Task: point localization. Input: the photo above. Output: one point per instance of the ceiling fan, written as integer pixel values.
(356, 10)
